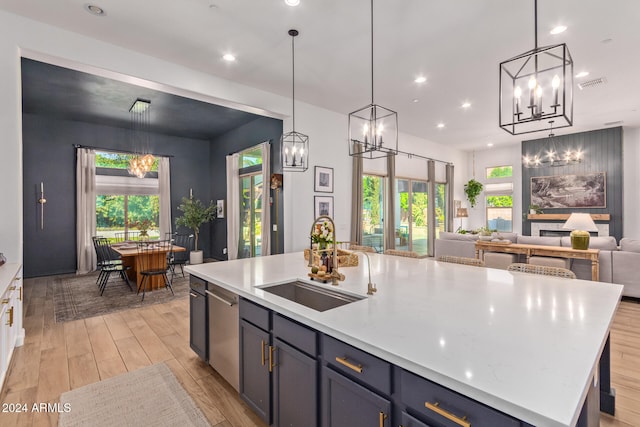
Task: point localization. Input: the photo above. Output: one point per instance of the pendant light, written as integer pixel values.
(294, 146)
(535, 87)
(140, 163)
(552, 155)
(373, 130)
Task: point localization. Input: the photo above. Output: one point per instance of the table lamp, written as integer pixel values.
(580, 224)
(462, 213)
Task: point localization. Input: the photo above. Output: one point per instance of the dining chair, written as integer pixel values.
(408, 254)
(108, 264)
(152, 262)
(362, 248)
(123, 236)
(179, 258)
(461, 260)
(542, 269)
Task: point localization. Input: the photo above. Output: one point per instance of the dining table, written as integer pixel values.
(133, 258)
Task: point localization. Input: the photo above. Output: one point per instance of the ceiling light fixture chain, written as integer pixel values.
(294, 146)
(543, 69)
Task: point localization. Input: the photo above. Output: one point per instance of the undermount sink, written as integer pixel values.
(311, 296)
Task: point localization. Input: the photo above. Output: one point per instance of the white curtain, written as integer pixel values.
(265, 216)
(233, 205)
(85, 210)
(164, 187)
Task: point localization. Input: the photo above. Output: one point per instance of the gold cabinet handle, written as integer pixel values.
(343, 361)
(383, 417)
(271, 364)
(435, 407)
(5, 301)
(10, 322)
(20, 293)
(262, 349)
(12, 288)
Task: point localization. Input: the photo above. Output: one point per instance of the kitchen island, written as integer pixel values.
(526, 345)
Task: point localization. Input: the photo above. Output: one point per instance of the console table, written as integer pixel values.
(540, 250)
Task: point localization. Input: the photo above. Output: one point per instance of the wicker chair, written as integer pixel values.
(408, 254)
(461, 260)
(541, 269)
(361, 248)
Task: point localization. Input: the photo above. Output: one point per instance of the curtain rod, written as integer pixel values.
(111, 150)
(411, 155)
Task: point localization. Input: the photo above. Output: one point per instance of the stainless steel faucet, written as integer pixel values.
(335, 275)
(371, 287)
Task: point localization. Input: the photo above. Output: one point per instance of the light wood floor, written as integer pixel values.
(58, 357)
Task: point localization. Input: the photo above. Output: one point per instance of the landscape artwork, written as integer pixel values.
(569, 191)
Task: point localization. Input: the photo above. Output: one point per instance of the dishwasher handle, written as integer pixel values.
(219, 298)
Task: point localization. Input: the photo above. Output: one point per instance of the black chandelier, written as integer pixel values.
(552, 155)
(373, 130)
(294, 146)
(535, 87)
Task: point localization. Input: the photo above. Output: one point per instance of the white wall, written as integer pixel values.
(327, 130)
(505, 156)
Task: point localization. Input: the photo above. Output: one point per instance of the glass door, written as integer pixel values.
(373, 211)
(402, 214)
(419, 229)
(250, 216)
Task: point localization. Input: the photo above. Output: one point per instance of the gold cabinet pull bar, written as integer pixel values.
(10, 322)
(343, 361)
(435, 407)
(271, 364)
(383, 417)
(262, 348)
(20, 293)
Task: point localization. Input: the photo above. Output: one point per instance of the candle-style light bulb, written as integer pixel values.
(365, 132)
(539, 100)
(555, 84)
(517, 93)
(532, 86)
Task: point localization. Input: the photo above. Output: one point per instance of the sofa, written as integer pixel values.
(617, 263)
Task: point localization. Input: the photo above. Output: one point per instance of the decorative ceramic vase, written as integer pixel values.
(580, 239)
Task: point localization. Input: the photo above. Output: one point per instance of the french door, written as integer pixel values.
(251, 187)
(412, 228)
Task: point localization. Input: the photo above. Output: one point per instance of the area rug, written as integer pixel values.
(78, 297)
(151, 396)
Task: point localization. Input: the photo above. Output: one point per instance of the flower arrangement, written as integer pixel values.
(143, 226)
(322, 233)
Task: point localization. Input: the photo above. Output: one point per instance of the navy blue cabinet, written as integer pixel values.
(198, 319)
(346, 403)
(295, 385)
(409, 421)
(278, 367)
(255, 366)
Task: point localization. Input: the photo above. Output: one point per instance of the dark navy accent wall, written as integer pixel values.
(248, 135)
(602, 153)
(49, 156)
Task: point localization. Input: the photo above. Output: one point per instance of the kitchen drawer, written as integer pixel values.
(255, 314)
(358, 364)
(417, 392)
(295, 334)
(198, 284)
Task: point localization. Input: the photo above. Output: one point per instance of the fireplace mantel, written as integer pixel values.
(564, 217)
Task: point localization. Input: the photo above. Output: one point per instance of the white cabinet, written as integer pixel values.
(11, 330)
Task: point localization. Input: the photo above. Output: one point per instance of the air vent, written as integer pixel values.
(593, 82)
(616, 123)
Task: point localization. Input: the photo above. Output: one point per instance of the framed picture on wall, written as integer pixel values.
(220, 208)
(323, 180)
(569, 191)
(323, 205)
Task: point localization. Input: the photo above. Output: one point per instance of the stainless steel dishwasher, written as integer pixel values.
(223, 333)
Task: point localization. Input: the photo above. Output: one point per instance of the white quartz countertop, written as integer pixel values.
(524, 344)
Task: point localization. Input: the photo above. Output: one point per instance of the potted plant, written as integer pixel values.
(143, 226)
(195, 213)
(535, 209)
(485, 234)
(472, 189)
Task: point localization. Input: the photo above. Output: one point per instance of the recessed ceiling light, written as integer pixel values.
(582, 74)
(416, 100)
(292, 2)
(94, 10)
(559, 29)
(420, 79)
(466, 105)
(490, 144)
(229, 57)
(440, 125)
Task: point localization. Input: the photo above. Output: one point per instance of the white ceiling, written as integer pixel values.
(456, 44)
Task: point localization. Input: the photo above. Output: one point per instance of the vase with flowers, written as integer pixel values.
(143, 226)
(322, 235)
